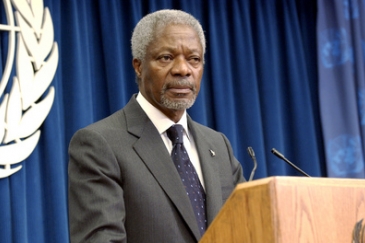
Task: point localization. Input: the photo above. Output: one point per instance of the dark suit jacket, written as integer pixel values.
(123, 185)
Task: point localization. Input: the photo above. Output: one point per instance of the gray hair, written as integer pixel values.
(144, 31)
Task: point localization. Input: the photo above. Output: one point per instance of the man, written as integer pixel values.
(123, 183)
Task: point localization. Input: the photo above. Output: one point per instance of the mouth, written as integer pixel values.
(178, 95)
(180, 89)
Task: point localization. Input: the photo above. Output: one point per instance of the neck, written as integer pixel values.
(174, 115)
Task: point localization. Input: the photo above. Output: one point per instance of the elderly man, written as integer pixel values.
(149, 173)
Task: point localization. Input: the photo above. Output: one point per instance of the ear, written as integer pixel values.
(137, 65)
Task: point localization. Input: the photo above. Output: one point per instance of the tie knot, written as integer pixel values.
(175, 134)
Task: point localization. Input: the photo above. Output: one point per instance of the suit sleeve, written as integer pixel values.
(96, 205)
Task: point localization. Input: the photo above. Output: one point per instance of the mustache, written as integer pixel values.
(178, 83)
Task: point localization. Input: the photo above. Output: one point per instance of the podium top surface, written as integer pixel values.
(305, 181)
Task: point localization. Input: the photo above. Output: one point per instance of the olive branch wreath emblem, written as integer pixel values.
(26, 106)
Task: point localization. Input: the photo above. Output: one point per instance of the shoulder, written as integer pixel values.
(202, 129)
(119, 119)
(203, 133)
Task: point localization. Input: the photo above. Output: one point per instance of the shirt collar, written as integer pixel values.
(160, 120)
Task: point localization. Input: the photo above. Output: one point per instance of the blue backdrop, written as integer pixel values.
(260, 87)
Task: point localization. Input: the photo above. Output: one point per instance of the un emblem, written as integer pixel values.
(32, 48)
(345, 155)
(334, 47)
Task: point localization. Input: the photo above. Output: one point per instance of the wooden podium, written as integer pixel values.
(290, 210)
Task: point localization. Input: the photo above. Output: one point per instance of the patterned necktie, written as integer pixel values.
(188, 175)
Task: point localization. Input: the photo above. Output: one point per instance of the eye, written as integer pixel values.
(194, 60)
(165, 58)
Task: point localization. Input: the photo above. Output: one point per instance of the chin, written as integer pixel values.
(177, 104)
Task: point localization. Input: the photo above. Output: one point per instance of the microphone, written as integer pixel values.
(280, 156)
(253, 157)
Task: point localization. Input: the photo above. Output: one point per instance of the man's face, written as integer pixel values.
(172, 70)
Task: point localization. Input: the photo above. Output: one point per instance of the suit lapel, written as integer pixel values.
(154, 154)
(210, 171)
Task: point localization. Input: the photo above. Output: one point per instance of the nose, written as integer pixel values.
(181, 67)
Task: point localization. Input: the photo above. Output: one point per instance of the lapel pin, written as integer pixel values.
(212, 153)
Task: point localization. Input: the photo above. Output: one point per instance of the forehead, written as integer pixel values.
(175, 34)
